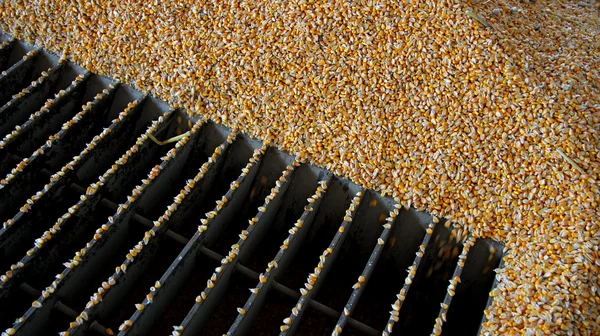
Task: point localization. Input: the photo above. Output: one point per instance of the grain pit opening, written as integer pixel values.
(214, 234)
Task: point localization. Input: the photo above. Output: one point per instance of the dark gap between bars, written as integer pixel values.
(134, 232)
(186, 295)
(272, 166)
(390, 271)
(140, 170)
(96, 219)
(135, 125)
(256, 182)
(226, 311)
(58, 322)
(29, 140)
(354, 252)
(24, 71)
(325, 225)
(71, 139)
(315, 323)
(78, 300)
(63, 201)
(20, 302)
(167, 185)
(76, 137)
(62, 111)
(176, 180)
(168, 251)
(276, 307)
(422, 303)
(466, 308)
(302, 186)
(16, 52)
(48, 214)
(237, 156)
(61, 308)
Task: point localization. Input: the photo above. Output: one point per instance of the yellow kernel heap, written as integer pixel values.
(483, 112)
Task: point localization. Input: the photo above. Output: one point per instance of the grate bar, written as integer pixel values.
(138, 219)
(238, 268)
(326, 259)
(438, 258)
(194, 192)
(465, 300)
(37, 207)
(242, 270)
(79, 270)
(302, 176)
(6, 45)
(15, 50)
(55, 112)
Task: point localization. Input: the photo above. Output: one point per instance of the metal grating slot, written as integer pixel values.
(315, 279)
(297, 232)
(418, 302)
(6, 44)
(12, 51)
(53, 153)
(50, 202)
(110, 228)
(340, 267)
(280, 299)
(469, 297)
(385, 269)
(158, 240)
(247, 234)
(43, 208)
(215, 292)
(284, 222)
(24, 65)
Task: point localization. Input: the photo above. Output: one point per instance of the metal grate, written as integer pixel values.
(106, 230)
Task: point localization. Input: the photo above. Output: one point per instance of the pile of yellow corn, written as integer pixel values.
(486, 112)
